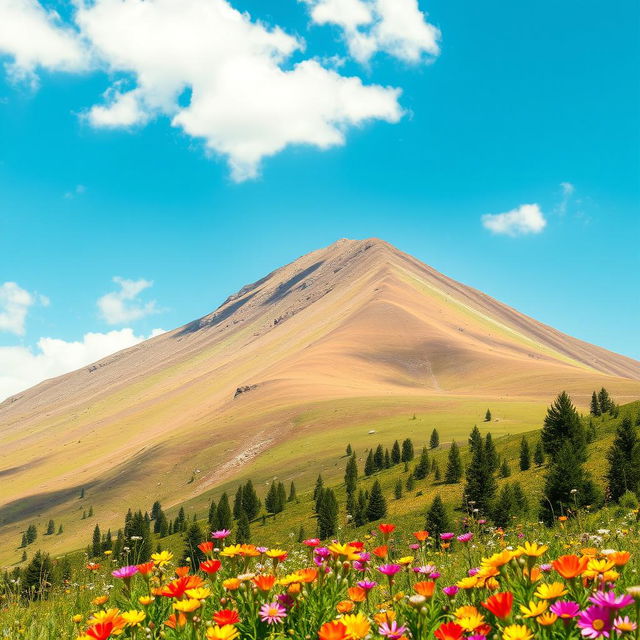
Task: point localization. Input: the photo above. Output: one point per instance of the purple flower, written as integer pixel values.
(391, 631)
(595, 622)
(450, 591)
(221, 534)
(262, 549)
(473, 572)
(565, 609)
(426, 569)
(367, 585)
(322, 552)
(365, 556)
(447, 535)
(465, 537)
(359, 566)
(389, 569)
(414, 546)
(285, 600)
(125, 572)
(272, 613)
(434, 575)
(546, 567)
(610, 600)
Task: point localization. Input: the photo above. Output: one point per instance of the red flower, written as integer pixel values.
(386, 528)
(499, 604)
(100, 631)
(226, 616)
(356, 544)
(206, 547)
(145, 568)
(449, 631)
(210, 566)
(179, 587)
(381, 551)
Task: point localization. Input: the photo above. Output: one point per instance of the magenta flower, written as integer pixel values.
(285, 600)
(322, 552)
(221, 534)
(365, 556)
(473, 572)
(465, 537)
(565, 609)
(447, 535)
(389, 569)
(434, 575)
(125, 572)
(610, 600)
(450, 591)
(414, 546)
(272, 613)
(595, 622)
(367, 585)
(391, 631)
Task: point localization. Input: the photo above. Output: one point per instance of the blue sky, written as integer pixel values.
(518, 104)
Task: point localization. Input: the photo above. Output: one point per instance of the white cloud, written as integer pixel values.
(247, 100)
(397, 27)
(119, 307)
(53, 357)
(14, 307)
(527, 218)
(568, 190)
(78, 190)
(35, 37)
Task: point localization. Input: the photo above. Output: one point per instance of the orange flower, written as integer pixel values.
(226, 616)
(249, 550)
(146, 568)
(381, 551)
(421, 536)
(231, 584)
(333, 630)
(177, 588)
(264, 582)
(357, 594)
(386, 528)
(425, 588)
(181, 572)
(449, 631)
(210, 566)
(570, 566)
(93, 566)
(344, 606)
(619, 558)
(499, 604)
(307, 575)
(176, 622)
(294, 589)
(100, 631)
(206, 547)
(99, 600)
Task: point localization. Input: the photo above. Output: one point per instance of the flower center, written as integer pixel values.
(598, 625)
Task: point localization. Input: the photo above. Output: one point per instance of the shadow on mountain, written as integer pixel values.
(283, 289)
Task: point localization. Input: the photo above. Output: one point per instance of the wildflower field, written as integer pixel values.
(531, 581)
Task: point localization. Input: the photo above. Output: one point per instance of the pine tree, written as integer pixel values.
(398, 489)
(453, 472)
(437, 521)
(155, 510)
(505, 469)
(351, 474)
(421, 470)
(96, 548)
(377, 507)
(538, 454)
(349, 450)
(211, 516)
(51, 528)
(520, 500)
(24, 557)
(137, 536)
(250, 500)
(595, 405)
(32, 533)
(475, 439)
(504, 508)
(360, 515)
(487, 416)
(238, 507)
(378, 458)
(480, 487)
(490, 453)
(407, 450)
(179, 524)
(271, 499)
(107, 543)
(243, 530)
(396, 455)
(192, 538)
(623, 472)
(223, 514)
(525, 455)
(318, 492)
(604, 400)
(387, 459)
(592, 431)
(436, 472)
(562, 424)
(369, 465)
(36, 579)
(567, 485)
(292, 492)
(411, 483)
(327, 514)
(281, 497)
(434, 442)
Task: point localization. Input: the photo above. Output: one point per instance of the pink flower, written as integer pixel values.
(447, 535)
(221, 534)
(414, 546)
(389, 569)
(450, 591)
(546, 567)
(311, 542)
(565, 609)
(625, 624)
(272, 613)
(434, 575)
(465, 537)
(125, 572)
(425, 569)
(610, 600)
(473, 572)
(594, 622)
(367, 585)
(391, 631)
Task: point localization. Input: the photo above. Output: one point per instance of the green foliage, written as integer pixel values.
(525, 455)
(327, 508)
(351, 475)
(475, 439)
(396, 455)
(434, 441)
(191, 554)
(595, 405)
(480, 486)
(243, 529)
(423, 467)
(437, 520)
(51, 528)
(378, 458)
(369, 465)
(292, 492)
(96, 544)
(377, 507)
(398, 489)
(490, 453)
(407, 450)
(453, 472)
(623, 473)
(37, 576)
(605, 401)
(562, 424)
(223, 514)
(538, 455)
(505, 469)
(487, 416)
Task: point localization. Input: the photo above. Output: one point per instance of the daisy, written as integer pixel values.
(272, 613)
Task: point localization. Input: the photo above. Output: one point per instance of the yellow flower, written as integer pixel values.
(199, 594)
(498, 559)
(108, 552)
(77, 618)
(346, 550)
(231, 551)
(534, 609)
(133, 617)
(187, 606)
(532, 549)
(551, 591)
(357, 626)
(467, 583)
(162, 558)
(406, 560)
(596, 566)
(231, 584)
(276, 553)
(226, 632)
(465, 611)
(146, 600)
(516, 632)
(547, 619)
(99, 600)
(469, 623)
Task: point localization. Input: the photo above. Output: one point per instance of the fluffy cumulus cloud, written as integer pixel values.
(123, 305)
(21, 368)
(36, 38)
(396, 27)
(14, 307)
(526, 219)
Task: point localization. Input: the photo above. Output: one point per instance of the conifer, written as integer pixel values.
(623, 473)
(437, 520)
(421, 470)
(453, 472)
(407, 450)
(398, 489)
(377, 506)
(434, 441)
(396, 455)
(525, 455)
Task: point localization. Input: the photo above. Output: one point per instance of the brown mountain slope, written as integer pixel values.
(358, 323)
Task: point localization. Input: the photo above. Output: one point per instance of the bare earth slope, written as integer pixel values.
(358, 321)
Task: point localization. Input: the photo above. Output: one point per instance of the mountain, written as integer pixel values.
(279, 378)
